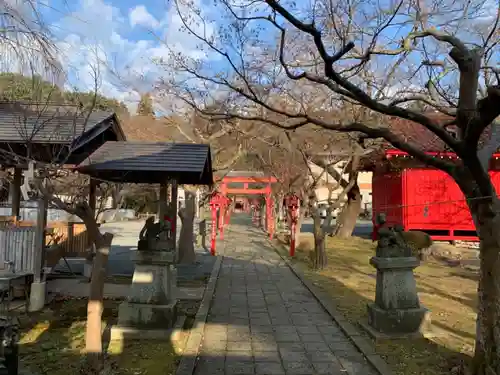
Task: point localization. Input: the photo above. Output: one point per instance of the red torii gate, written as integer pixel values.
(245, 190)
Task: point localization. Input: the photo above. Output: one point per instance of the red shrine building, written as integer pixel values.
(419, 197)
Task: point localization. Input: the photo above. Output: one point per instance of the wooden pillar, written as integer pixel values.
(16, 192)
(173, 210)
(268, 208)
(163, 204)
(92, 196)
(41, 223)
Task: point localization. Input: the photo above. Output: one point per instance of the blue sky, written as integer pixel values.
(121, 37)
(124, 37)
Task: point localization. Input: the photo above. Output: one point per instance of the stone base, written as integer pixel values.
(87, 269)
(147, 316)
(401, 323)
(37, 297)
(376, 335)
(153, 284)
(127, 333)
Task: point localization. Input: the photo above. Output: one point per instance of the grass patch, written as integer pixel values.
(449, 293)
(53, 340)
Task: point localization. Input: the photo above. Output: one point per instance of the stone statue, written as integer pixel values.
(391, 243)
(150, 234)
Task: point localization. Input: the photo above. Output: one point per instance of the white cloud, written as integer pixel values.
(139, 16)
(97, 35)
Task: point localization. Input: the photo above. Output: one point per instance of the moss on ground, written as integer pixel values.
(53, 340)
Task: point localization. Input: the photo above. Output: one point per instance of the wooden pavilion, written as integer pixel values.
(60, 135)
(94, 145)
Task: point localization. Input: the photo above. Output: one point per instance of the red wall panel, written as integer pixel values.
(425, 199)
(434, 201)
(387, 196)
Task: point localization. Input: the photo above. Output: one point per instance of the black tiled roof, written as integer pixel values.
(20, 123)
(150, 162)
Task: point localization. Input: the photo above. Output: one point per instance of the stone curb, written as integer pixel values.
(193, 343)
(363, 345)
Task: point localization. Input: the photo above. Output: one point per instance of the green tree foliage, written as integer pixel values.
(16, 87)
(145, 107)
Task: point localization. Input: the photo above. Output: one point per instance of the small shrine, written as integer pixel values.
(151, 306)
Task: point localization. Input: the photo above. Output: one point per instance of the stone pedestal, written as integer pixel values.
(38, 294)
(152, 303)
(397, 310)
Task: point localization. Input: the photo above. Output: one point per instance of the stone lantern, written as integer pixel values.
(397, 310)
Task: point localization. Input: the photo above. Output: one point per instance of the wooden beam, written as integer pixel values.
(247, 191)
(41, 223)
(16, 192)
(163, 204)
(174, 209)
(270, 179)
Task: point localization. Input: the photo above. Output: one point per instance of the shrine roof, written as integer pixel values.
(150, 162)
(414, 134)
(53, 132)
(50, 124)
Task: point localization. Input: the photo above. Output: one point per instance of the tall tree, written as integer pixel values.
(28, 48)
(228, 147)
(380, 57)
(17, 87)
(145, 107)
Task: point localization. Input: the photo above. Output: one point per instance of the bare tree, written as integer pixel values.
(79, 206)
(290, 160)
(438, 54)
(27, 48)
(25, 41)
(54, 182)
(228, 146)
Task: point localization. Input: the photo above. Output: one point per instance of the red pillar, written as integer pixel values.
(268, 208)
(214, 229)
(292, 203)
(222, 214)
(292, 238)
(271, 218)
(228, 212)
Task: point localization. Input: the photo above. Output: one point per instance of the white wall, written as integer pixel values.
(364, 182)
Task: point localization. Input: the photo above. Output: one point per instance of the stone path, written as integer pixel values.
(264, 321)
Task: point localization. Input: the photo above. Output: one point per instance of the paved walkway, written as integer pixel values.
(264, 321)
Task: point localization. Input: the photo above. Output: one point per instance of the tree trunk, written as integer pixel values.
(300, 220)
(487, 349)
(347, 219)
(201, 212)
(93, 335)
(280, 209)
(320, 260)
(187, 254)
(115, 196)
(262, 222)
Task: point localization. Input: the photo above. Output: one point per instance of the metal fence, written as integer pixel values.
(17, 245)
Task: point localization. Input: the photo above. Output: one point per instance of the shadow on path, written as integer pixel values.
(263, 320)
